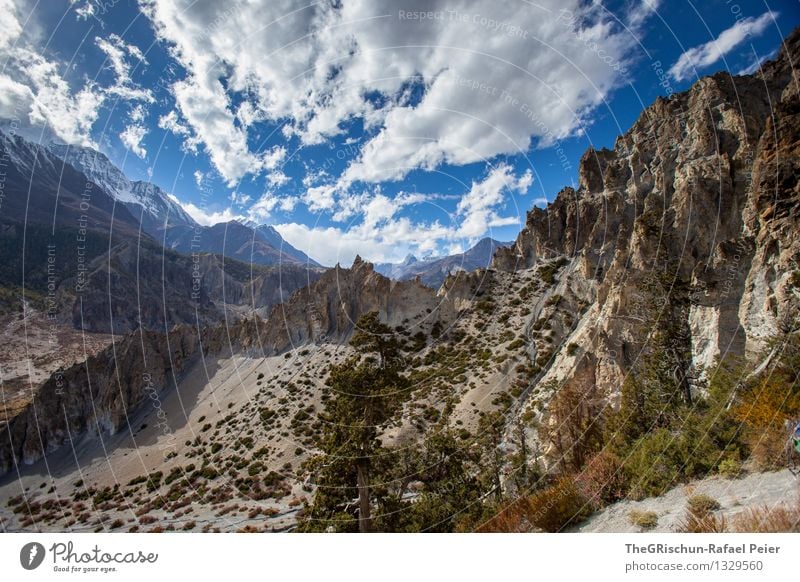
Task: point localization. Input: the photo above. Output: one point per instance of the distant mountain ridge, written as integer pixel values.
(105, 273)
(166, 221)
(146, 201)
(433, 271)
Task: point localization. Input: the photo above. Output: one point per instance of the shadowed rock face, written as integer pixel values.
(328, 309)
(702, 193)
(100, 394)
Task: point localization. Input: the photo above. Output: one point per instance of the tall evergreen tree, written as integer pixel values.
(367, 390)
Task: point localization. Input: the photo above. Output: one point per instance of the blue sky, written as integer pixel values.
(371, 127)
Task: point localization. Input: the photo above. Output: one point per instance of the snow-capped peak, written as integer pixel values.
(140, 197)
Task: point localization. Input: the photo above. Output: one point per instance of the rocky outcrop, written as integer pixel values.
(328, 309)
(690, 221)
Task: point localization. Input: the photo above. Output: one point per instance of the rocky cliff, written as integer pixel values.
(327, 310)
(690, 223)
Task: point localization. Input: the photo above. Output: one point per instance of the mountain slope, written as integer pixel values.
(261, 245)
(68, 244)
(166, 221)
(146, 201)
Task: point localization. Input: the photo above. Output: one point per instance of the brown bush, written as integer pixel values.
(602, 481)
(551, 510)
(764, 411)
(700, 517)
(573, 427)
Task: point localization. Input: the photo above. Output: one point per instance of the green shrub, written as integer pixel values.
(730, 468)
(643, 519)
(701, 505)
(654, 465)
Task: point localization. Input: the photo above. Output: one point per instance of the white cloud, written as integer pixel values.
(70, 115)
(83, 11)
(9, 24)
(37, 91)
(384, 235)
(478, 206)
(203, 216)
(118, 53)
(755, 65)
(277, 178)
(239, 198)
(132, 138)
(170, 122)
(330, 245)
(709, 53)
(310, 67)
(320, 198)
(641, 11)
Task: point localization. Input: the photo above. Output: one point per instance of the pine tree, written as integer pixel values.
(367, 390)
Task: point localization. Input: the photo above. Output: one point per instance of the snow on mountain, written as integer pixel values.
(144, 199)
(159, 214)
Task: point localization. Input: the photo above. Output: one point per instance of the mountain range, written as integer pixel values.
(166, 221)
(433, 271)
(91, 243)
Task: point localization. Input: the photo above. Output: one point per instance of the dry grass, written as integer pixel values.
(780, 519)
(700, 516)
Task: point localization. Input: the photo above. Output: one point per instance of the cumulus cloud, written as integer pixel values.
(381, 233)
(335, 245)
(36, 91)
(9, 24)
(474, 82)
(478, 206)
(132, 138)
(205, 217)
(707, 54)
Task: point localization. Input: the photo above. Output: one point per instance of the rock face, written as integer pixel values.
(328, 309)
(691, 221)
